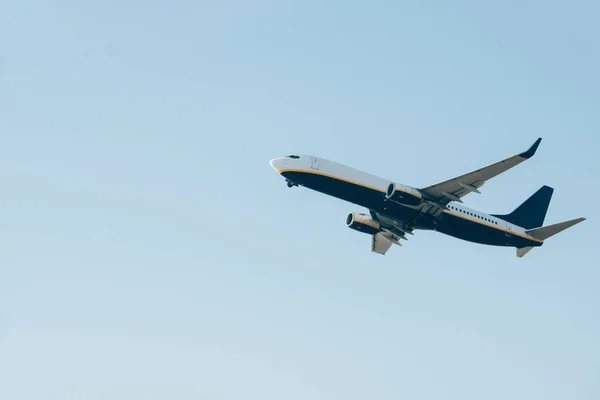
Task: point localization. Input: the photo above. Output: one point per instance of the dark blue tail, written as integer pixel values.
(532, 212)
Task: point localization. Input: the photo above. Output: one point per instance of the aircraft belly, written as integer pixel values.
(471, 231)
(354, 192)
(337, 188)
(479, 233)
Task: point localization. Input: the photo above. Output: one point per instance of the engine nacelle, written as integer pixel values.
(404, 195)
(362, 223)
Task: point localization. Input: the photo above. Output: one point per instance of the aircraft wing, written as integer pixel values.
(380, 244)
(392, 231)
(454, 189)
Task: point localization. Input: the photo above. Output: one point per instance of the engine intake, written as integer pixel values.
(362, 223)
(403, 194)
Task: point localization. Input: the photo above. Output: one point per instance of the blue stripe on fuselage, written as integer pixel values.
(448, 222)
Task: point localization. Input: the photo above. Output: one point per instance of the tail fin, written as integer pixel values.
(532, 212)
(545, 232)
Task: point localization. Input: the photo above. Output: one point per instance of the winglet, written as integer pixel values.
(529, 153)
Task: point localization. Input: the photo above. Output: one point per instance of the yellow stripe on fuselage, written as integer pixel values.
(332, 177)
(346, 180)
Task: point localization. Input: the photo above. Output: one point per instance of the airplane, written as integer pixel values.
(397, 210)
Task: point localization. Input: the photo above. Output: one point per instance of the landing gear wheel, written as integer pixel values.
(291, 184)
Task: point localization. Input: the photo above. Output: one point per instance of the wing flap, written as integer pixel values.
(380, 244)
(382, 241)
(392, 232)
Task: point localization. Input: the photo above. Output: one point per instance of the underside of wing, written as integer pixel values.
(380, 244)
(454, 189)
(391, 232)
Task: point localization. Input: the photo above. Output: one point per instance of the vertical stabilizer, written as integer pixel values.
(532, 212)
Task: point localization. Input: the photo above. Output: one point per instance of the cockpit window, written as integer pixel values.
(292, 156)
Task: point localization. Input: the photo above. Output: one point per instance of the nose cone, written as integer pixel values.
(277, 164)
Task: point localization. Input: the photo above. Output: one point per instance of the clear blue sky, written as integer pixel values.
(148, 250)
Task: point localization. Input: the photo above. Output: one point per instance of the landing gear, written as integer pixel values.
(291, 183)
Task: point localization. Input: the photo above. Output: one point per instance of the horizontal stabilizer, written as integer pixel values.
(522, 251)
(545, 232)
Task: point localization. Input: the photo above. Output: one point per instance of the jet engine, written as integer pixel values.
(362, 223)
(403, 194)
